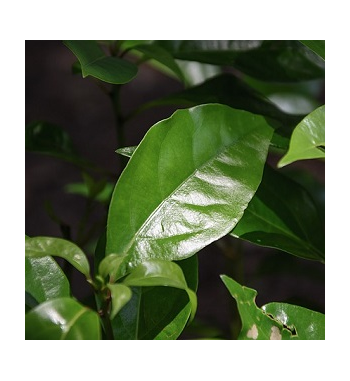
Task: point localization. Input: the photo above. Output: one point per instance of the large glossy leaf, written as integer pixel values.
(317, 46)
(95, 63)
(283, 215)
(200, 167)
(37, 247)
(269, 322)
(308, 139)
(161, 273)
(283, 61)
(62, 319)
(159, 313)
(44, 279)
(308, 324)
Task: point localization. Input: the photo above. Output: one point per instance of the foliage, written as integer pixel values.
(200, 176)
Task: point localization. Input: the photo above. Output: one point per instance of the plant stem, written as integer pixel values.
(104, 313)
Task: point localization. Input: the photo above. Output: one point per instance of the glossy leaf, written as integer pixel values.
(161, 273)
(62, 319)
(44, 279)
(37, 247)
(282, 215)
(308, 324)
(162, 56)
(308, 139)
(201, 167)
(120, 295)
(95, 63)
(317, 46)
(260, 324)
(159, 313)
(283, 61)
(109, 266)
(126, 151)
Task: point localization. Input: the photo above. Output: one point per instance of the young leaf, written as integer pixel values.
(159, 313)
(282, 215)
(126, 151)
(257, 324)
(200, 167)
(43, 246)
(120, 295)
(44, 279)
(109, 266)
(94, 62)
(308, 139)
(162, 56)
(157, 272)
(62, 319)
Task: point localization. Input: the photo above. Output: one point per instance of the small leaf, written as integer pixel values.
(44, 279)
(62, 319)
(157, 313)
(126, 151)
(308, 324)
(120, 295)
(161, 273)
(94, 62)
(282, 215)
(308, 139)
(43, 246)
(109, 266)
(162, 56)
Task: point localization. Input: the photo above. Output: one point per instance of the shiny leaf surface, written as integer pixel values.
(317, 46)
(283, 61)
(126, 151)
(201, 167)
(161, 273)
(44, 279)
(95, 63)
(120, 295)
(159, 313)
(308, 139)
(308, 324)
(109, 266)
(282, 215)
(37, 247)
(269, 322)
(62, 319)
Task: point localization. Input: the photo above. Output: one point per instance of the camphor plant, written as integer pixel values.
(195, 177)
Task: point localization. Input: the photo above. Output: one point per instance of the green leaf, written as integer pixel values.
(229, 90)
(95, 63)
(101, 192)
(200, 167)
(283, 215)
(308, 324)
(43, 246)
(308, 139)
(109, 266)
(268, 322)
(44, 279)
(159, 313)
(47, 138)
(157, 272)
(283, 61)
(120, 295)
(317, 46)
(62, 319)
(162, 56)
(126, 151)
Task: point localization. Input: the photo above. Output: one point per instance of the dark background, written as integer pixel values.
(78, 105)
